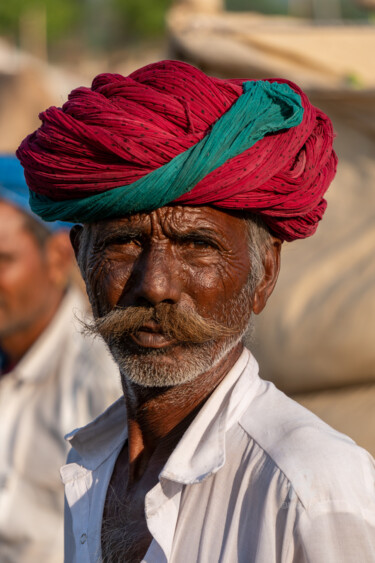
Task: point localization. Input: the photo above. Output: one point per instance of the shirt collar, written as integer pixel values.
(201, 450)
(98, 440)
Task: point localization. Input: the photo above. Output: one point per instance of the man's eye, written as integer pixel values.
(123, 241)
(199, 244)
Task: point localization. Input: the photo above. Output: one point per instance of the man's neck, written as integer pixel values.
(157, 418)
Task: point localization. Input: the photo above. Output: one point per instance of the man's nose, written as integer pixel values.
(157, 278)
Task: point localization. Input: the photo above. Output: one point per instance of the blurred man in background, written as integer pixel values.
(52, 378)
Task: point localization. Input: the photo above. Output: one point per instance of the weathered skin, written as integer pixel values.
(194, 257)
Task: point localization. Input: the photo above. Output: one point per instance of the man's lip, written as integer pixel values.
(151, 327)
(150, 338)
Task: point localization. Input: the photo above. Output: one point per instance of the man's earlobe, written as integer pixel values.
(271, 271)
(75, 237)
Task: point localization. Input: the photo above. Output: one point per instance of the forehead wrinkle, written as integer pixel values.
(215, 224)
(180, 220)
(170, 221)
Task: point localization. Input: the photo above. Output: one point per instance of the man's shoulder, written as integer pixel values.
(320, 463)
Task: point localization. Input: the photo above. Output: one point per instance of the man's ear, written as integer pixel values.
(75, 238)
(271, 263)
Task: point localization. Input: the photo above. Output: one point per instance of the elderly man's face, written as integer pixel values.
(194, 260)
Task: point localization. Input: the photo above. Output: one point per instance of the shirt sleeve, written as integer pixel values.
(335, 534)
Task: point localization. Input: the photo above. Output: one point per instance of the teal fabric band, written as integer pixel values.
(263, 108)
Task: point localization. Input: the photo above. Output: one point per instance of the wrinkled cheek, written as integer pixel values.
(237, 311)
(108, 281)
(233, 311)
(210, 293)
(201, 281)
(95, 279)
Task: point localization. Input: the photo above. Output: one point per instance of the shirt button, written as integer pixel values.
(83, 538)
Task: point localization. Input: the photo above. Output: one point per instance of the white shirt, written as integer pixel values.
(63, 382)
(255, 478)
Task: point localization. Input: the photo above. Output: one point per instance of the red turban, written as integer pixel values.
(124, 128)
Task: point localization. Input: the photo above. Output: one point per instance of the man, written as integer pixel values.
(52, 379)
(186, 187)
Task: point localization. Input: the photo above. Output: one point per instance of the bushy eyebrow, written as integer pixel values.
(111, 233)
(195, 233)
(189, 233)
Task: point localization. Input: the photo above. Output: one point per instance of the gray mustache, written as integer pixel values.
(175, 322)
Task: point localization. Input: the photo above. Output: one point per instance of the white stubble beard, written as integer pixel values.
(145, 369)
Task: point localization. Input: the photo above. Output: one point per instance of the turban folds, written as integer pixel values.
(169, 134)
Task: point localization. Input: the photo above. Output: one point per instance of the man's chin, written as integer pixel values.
(159, 367)
(172, 365)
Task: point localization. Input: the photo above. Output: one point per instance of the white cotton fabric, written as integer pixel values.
(64, 381)
(256, 478)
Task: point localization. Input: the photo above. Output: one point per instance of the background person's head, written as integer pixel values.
(35, 265)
